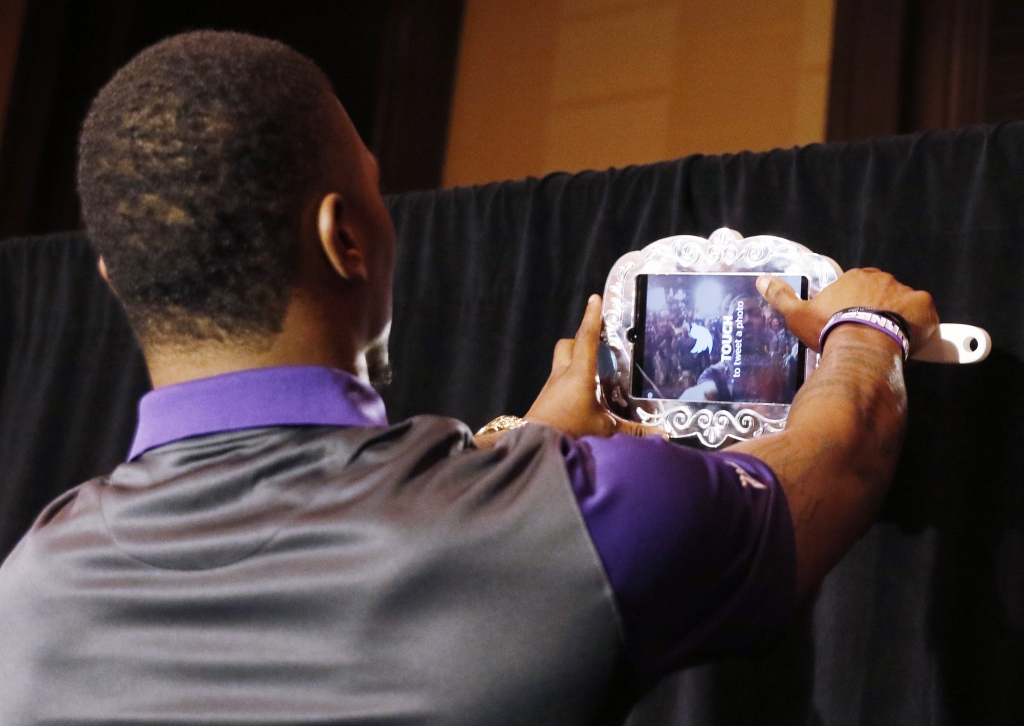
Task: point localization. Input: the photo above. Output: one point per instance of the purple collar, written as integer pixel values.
(284, 396)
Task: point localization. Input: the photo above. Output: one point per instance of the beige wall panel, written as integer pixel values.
(740, 92)
(603, 55)
(500, 106)
(815, 66)
(617, 133)
(582, 8)
(816, 26)
(566, 85)
(725, 16)
(809, 124)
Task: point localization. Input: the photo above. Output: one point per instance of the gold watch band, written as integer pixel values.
(502, 423)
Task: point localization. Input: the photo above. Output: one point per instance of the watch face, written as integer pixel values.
(712, 337)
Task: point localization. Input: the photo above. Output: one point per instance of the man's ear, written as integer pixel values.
(337, 239)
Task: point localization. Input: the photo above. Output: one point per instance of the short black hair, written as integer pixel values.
(194, 162)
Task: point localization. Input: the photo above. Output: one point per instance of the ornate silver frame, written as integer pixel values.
(713, 424)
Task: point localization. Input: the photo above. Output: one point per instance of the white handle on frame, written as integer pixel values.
(956, 343)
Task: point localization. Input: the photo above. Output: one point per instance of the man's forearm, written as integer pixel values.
(836, 457)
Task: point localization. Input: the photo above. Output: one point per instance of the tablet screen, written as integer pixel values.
(712, 337)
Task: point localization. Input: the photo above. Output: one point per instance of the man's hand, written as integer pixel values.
(569, 399)
(867, 287)
(843, 436)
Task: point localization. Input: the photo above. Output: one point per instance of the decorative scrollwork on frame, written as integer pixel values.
(726, 247)
(712, 427)
(724, 251)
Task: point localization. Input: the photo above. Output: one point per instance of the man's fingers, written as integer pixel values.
(924, 324)
(588, 337)
(777, 292)
(639, 430)
(798, 315)
(619, 425)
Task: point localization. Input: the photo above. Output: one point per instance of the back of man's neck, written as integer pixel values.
(182, 362)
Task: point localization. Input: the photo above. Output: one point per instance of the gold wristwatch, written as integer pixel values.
(502, 423)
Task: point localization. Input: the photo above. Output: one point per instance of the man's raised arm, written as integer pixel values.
(836, 458)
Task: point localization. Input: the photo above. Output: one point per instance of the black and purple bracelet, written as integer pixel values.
(890, 323)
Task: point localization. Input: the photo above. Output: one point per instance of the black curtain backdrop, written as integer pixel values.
(922, 623)
(71, 375)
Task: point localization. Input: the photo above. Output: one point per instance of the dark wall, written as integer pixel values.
(71, 47)
(900, 66)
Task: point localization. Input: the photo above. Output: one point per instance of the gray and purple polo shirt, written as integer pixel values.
(689, 539)
(275, 552)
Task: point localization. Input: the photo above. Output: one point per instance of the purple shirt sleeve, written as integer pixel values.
(698, 547)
